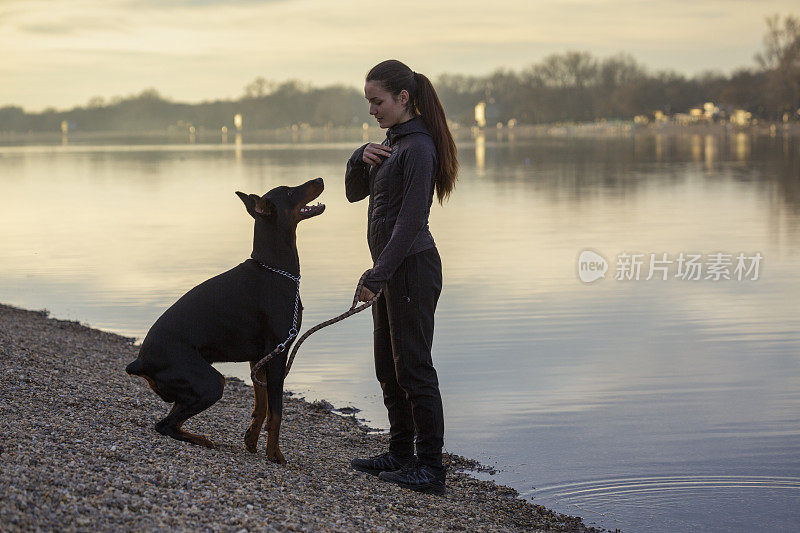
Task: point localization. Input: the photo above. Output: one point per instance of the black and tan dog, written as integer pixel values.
(240, 315)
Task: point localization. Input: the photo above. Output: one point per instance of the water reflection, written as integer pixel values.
(742, 147)
(480, 153)
(606, 397)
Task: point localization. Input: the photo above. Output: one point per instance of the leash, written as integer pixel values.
(355, 308)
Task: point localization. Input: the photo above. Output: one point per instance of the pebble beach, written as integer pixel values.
(78, 452)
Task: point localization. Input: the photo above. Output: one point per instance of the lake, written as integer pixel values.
(641, 404)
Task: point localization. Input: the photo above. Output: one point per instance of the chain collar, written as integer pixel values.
(293, 331)
(296, 278)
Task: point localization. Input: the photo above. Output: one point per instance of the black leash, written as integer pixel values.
(355, 308)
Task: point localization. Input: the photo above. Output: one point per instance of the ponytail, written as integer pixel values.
(396, 76)
(430, 108)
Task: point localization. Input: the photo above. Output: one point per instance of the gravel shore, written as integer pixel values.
(78, 452)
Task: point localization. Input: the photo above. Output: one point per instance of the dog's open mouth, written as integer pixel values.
(308, 211)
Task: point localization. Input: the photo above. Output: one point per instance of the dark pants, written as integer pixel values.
(403, 319)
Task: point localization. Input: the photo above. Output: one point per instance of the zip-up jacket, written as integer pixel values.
(400, 191)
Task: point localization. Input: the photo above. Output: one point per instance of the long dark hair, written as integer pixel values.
(423, 100)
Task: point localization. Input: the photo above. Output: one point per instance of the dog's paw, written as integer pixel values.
(250, 440)
(203, 441)
(250, 446)
(276, 457)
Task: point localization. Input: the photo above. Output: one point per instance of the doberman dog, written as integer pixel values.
(240, 315)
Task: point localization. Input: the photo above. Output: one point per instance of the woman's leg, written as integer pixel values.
(411, 295)
(401, 424)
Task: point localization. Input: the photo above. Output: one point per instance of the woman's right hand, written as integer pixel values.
(375, 153)
(366, 295)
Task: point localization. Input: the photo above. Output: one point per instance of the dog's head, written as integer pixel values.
(285, 206)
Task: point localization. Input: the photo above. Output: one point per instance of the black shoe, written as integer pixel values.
(385, 462)
(420, 478)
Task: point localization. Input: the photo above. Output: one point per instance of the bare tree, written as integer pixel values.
(96, 101)
(258, 88)
(781, 59)
(567, 70)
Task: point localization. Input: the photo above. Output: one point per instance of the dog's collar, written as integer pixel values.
(292, 277)
(293, 331)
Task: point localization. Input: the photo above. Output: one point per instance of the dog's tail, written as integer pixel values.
(136, 368)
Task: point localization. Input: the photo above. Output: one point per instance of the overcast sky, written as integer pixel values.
(61, 53)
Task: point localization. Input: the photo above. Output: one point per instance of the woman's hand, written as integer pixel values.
(366, 295)
(375, 153)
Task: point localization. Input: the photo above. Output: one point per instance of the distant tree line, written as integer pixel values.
(288, 103)
(566, 87)
(578, 87)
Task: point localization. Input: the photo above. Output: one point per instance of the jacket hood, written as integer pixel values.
(415, 125)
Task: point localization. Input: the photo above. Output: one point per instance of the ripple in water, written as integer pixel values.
(618, 495)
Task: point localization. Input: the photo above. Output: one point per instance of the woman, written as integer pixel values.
(399, 176)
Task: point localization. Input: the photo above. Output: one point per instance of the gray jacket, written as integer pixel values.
(400, 192)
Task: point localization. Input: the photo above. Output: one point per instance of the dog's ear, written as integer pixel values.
(265, 208)
(256, 205)
(249, 201)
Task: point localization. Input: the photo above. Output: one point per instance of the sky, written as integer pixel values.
(56, 53)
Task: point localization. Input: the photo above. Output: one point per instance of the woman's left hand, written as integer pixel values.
(366, 295)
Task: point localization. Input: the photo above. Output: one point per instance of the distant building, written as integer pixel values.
(480, 114)
(740, 117)
(710, 111)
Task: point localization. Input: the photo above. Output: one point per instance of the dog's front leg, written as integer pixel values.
(259, 412)
(276, 372)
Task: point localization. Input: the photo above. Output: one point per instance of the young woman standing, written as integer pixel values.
(400, 176)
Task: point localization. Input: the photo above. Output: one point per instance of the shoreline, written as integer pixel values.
(79, 452)
(610, 129)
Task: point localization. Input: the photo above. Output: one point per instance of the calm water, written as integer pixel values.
(645, 405)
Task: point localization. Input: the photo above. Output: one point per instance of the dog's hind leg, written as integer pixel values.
(259, 412)
(138, 368)
(207, 386)
(171, 426)
(155, 388)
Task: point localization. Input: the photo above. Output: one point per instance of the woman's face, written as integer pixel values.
(388, 110)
